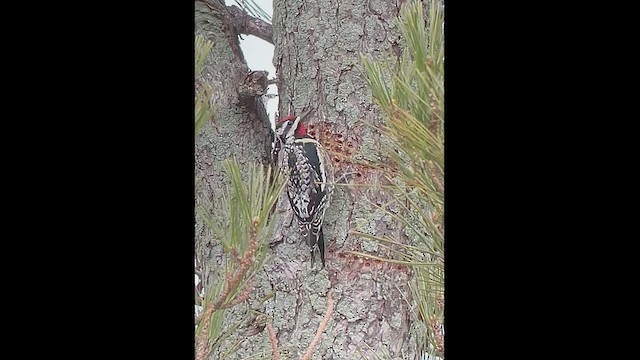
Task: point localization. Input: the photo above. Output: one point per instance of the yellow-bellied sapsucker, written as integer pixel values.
(310, 181)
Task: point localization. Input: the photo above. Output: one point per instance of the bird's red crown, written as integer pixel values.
(300, 131)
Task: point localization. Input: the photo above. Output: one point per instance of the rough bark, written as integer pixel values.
(318, 43)
(317, 58)
(239, 128)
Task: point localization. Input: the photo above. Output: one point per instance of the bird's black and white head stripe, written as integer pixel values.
(286, 128)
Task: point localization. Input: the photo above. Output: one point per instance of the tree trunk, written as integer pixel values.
(318, 43)
(317, 47)
(239, 127)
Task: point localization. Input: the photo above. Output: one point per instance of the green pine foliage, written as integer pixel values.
(242, 221)
(411, 97)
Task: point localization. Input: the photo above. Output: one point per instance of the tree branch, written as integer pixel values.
(254, 84)
(232, 284)
(247, 24)
(243, 22)
(274, 340)
(321, 327)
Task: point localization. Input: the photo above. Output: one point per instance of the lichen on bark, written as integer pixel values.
(317, 57)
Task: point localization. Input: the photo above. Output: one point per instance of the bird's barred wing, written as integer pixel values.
(309, 182)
